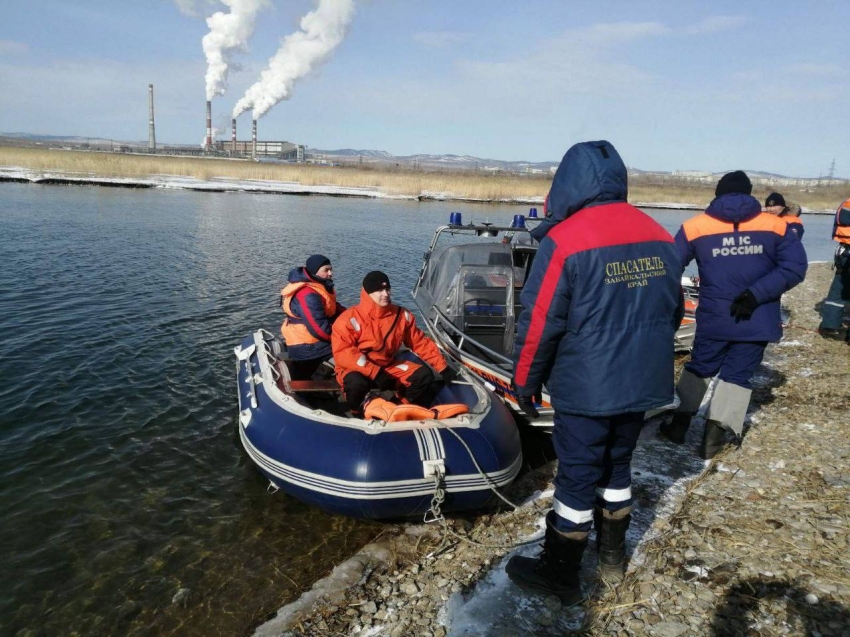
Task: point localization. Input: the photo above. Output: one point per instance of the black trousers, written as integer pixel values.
(420, 389)
(305, 369)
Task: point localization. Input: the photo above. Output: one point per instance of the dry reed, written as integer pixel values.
(391, 180)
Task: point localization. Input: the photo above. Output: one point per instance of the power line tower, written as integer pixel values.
(832, 169)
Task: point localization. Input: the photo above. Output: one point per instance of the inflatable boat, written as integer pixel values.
(468, 293)
(302, 437)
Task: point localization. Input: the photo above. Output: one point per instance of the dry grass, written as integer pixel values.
(398, 181)
(653, 188)
(393, 181)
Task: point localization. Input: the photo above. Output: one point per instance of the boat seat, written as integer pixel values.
(299, 386)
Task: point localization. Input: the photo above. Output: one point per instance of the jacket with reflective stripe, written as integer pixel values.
(362, 340)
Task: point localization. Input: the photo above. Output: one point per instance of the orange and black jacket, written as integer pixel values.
(738, 247)
(310, 307)
(367, 337)
(794, 223)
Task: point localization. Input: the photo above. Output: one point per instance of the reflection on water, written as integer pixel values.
(129, 506)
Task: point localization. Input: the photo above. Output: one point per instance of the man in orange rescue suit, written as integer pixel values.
(309, 303)
(600, 307)
(366, 339)
(747, 259)
(832, 311)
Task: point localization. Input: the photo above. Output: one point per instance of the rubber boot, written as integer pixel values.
(556, 570)
(611, 527)
(712, 440)
(676, 428)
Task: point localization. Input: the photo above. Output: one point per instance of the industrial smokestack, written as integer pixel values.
(151, 130)
(209, 125)
(254, 139)
(233, 135)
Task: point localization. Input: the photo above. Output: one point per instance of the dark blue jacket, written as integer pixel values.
(739, 247)
(603, 298)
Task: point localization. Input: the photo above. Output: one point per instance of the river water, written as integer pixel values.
(129, 506)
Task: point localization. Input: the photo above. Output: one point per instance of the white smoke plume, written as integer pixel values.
(321, 32)
(215, 134)
(229, 32)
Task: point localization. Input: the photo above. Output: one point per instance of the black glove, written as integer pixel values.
(526, 403)
(743, 306)
(449, 374)
(385, 381)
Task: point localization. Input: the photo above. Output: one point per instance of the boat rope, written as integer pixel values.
(437, 516)
(481, 471)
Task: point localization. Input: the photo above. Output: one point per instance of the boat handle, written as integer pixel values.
(252, 390)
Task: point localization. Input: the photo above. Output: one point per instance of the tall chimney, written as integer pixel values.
(209, 125)
(151, 130)
(233, 135)
(254, 139)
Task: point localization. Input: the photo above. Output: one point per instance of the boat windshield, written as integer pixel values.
(442, 276)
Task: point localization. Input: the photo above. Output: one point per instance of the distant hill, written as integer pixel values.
(449, 161)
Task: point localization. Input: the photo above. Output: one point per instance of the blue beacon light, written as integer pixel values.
(455, 219)
(518, 222)
(532, 213)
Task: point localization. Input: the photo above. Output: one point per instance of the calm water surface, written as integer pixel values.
(129, 506)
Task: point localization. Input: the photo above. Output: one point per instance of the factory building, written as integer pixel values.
(285, 151)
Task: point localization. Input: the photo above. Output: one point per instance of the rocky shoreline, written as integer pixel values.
(756, 543)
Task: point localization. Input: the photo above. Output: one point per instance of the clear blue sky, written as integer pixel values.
(689, 85)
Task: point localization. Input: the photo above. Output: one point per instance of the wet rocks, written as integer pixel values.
(757, 546)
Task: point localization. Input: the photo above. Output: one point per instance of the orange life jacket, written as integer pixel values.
(294, 330)
(367, 337)
(842, 232)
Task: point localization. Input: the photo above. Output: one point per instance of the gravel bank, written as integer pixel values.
(754, 543)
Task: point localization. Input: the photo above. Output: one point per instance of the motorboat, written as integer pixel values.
(304, 439)
(468, 294)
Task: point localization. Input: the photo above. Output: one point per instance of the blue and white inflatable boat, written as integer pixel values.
(301, 437)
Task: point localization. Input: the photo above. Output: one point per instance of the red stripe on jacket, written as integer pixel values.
(301, 295)
(590, 228)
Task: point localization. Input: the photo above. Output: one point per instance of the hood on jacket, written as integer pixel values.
(734, 207)
(373, 309)
(300, 275)
(590, 174)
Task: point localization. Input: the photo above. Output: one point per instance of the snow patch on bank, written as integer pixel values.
(215, 184)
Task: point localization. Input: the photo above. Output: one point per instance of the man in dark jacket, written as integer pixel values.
(747, 259)
(309, 303)
(601, 304)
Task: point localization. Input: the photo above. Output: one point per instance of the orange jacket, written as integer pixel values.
(362, 340)
(841, 229)
(308, 325)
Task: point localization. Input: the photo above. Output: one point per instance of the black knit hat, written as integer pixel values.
(774, 199)
(734, 182)
(316, 261)
(376, 280)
